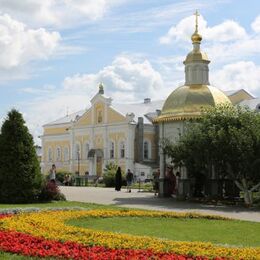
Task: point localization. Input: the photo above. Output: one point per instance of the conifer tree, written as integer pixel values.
(20, 177)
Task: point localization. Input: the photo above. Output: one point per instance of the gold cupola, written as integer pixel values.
(188, 101)
(196, 54)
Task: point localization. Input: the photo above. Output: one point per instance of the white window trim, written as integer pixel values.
(85, 150)
(68, 154)
(111, 147)
(77, 144)
(58, 158)
(149, 149)
(50, 154)
(119, 149)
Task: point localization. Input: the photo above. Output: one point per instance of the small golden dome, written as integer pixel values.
(187, 102)
(196, 56)
(196, 37)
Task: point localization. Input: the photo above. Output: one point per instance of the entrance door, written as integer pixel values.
(99, 166)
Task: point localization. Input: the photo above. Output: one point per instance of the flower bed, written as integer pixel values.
(37, 229)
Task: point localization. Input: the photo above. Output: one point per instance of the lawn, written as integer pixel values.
(7, 256)
(238, 233)
(54, 204)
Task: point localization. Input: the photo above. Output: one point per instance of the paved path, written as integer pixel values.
(144, 200)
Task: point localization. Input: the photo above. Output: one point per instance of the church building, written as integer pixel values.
(129, 135)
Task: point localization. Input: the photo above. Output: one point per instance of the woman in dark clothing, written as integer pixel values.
(118, 179)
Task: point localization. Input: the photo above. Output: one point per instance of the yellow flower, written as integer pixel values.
(51, 225)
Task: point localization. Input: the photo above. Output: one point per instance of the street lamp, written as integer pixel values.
(78, 155)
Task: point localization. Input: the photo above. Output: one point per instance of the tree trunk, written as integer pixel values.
(248, 197)
(248, 194)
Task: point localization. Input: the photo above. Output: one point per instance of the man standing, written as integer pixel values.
(53, 173)
(129, 180)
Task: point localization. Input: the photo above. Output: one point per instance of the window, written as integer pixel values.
(99, 119)
(146, 150)
(77, 152)
(66, 154)
(86, 150)
(112, 150)
(122, 150)
(49, 154)
(58, 154)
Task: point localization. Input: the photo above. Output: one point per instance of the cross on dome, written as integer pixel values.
(196, 37)
(196, 20)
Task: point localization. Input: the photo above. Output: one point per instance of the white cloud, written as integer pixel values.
(135, 79)
(20, 44)
(242, 74)
(226, 31)
(256, 24)
(57, 13)
(230, 52)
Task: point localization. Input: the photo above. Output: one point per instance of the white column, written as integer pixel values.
(72, 143)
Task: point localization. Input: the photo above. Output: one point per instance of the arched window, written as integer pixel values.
(49, 155)
(58, 154)
(112, 150)
(66, 154)
(77, 152)
(122, 150)
(86, 150)
(146, 150)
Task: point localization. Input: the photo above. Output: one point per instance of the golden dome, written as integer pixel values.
(196, 56)
(196, 37)
(187, 102)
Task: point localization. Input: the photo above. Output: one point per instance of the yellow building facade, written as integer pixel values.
(105, 133)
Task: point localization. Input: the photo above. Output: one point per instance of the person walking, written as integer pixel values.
(129, 180)
(118, 179)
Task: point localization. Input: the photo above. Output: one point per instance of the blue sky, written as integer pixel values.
(54, 53)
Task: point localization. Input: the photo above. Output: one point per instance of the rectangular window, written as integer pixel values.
(122, 153)
(111, 154)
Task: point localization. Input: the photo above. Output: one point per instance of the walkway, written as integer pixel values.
(144, 200)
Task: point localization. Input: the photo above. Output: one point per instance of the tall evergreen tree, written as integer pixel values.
(20, 177)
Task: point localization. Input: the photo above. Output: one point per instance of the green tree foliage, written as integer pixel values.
(109, 175)
(20, 178)
(227, 138)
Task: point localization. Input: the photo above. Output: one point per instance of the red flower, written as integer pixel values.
(28, 245)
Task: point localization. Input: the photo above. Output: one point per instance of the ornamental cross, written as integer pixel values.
(196, 15)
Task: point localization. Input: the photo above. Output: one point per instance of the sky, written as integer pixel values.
(54, 53)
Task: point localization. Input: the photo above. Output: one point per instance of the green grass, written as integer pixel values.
(54, 204)
(237, 233)
(8, 256)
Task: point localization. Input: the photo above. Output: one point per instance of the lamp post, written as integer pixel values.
(78, 154)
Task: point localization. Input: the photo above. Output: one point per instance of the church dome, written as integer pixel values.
(187, 102)
(196, 37)
(194, 56)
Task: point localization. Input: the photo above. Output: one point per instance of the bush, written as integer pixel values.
(109, 179)
(109, 175)
(50, 191)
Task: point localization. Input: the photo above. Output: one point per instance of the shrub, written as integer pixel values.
(109, 175)
(50, 191)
